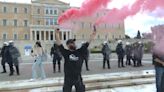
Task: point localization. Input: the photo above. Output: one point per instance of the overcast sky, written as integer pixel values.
(141, 21)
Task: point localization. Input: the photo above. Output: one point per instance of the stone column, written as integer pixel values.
(35, 35)
(40, 35)
(54, 35)
(62, 34)
(45, 36)
(67, 35)
(31, 35)
(49, 35)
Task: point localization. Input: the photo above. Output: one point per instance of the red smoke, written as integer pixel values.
(88, 8)
(118, 15)
(114, 15)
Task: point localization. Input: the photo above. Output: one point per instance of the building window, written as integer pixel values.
(55, 12)
(25, 10)
(55, 21)
(38, 22)
(47, 22)
(47, 11)
(15, 23)
(38, 11)
(51, 12)
(15, 10)
(4, 22)
(51, 21)
(4, 9)
(4, 36)
(15, 36)
(25, 23)
(25, 37)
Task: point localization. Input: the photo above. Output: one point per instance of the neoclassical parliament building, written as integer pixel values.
(36, 21)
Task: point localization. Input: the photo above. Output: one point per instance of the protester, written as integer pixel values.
(128, 52)
(55, 53)
(120, 53)
(73, 63)
(37, 53)
(3, 61)
(158, 62)
(86, 57)
(106, 54)
(15, 54)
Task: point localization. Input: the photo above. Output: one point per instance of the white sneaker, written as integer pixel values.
(32, 80)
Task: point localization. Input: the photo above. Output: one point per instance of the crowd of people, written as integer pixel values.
(75, 57)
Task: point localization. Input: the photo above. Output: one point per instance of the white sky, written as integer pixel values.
(141, 21)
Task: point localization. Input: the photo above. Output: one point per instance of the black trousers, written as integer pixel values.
(85, 59)
(56, 61)
(11, 68)
(139, 62)
(128, 60)
(70, 82)
(17, 69)
(3, 65)
(120, 61)
(104, 62)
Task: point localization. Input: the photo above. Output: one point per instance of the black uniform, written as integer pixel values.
(72, 68)
(128, 52)
(86, 58)
(3, 59)
(15, 54)
(9, 60)
(55, 52)
(120, 53)
(106, 55)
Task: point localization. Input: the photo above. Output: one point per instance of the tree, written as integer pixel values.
(138, 35)
(127, 37)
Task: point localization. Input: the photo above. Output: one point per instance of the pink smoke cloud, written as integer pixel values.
(118, 15)
(88, 8)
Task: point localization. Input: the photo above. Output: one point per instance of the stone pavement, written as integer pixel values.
(95, 65)
(106, 81)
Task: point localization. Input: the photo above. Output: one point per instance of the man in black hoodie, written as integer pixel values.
(73, 63)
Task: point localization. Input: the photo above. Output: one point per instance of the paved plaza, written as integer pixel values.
(95, 65)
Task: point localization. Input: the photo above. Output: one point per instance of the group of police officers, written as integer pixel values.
(10, 55)
(133, 53)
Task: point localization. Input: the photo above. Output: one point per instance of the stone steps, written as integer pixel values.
(97, 81)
